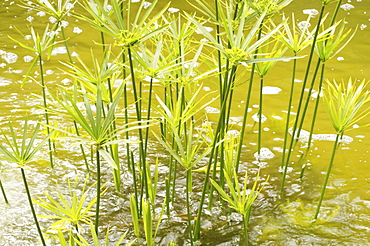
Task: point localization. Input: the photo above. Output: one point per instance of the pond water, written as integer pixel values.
(346, 208)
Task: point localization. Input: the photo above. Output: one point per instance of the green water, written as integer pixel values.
(346, 208)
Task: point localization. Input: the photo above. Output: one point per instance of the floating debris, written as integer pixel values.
(9, 57)
(208, 29)
(304, 25)
(27, 58)
(265, 154)
(77, 30)
(212, 110)
(173, 10)
(147, 5)
(347, 7)
(304, 135)
(270, 90)
(312, 12)
(256, 117)
(59, 51)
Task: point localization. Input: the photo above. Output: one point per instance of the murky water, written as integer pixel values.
(346, 208)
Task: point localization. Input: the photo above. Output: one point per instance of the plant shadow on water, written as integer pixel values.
(183, 126)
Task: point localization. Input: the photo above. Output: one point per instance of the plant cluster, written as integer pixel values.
(145, 89)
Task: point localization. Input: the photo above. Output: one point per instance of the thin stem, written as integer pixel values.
(308, 99)
(135, 182)
(138, 115)
(335, 148)
(295, 133)
(97, 191)
(32, 208)
(247, 100)
(289, 110)
(260, 120)
(300, 101)
(148, 116)
(3, 191)
(211, 156)
(229, 83)
(188, 190)
(218, 51)
(335, 13)
(308, 68)
(245, 227)
(81, 147)
(316, 104)
(46, 112)
(66, 45)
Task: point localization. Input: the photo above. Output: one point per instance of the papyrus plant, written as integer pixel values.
(344, 104)
(240, 199)
(22, 154)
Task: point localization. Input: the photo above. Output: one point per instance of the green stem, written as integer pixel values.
(188, 190)
(308, 99)
(260, 120)
(148, 116)
(32, 208)
(308, 70)
(144, 184)
(211, 156)
(335, 148)
(135, 182)
(289, 110)
(66, 45)
(335, 13)
(316, 104)
(168, 197)
(245, 227)
(300, 101)
(247, 100)
(226, 101)
(46, 112)
(3, 191)
(98, 185)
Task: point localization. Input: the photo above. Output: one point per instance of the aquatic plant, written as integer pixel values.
(326, 50)
(40, 45)
(69, 210)
(344, 104)
(81, 241)
(241, 200)
(300, 116)
(158, 66)
(22, 155)
(97, 126)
